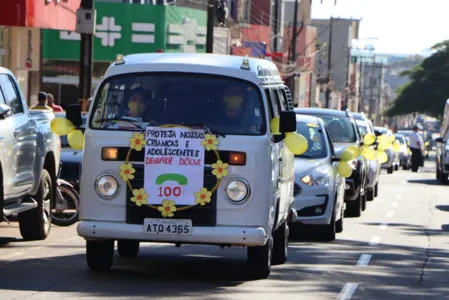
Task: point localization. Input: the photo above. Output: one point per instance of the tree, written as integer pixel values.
(428, 88)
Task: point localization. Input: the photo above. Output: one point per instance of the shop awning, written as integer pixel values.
(47, 14)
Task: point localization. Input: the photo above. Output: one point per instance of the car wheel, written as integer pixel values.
(396, 167)
(259, 260)
(438, 173)
(128, 248)
(376, 190)
(280, 244)
(370, 195)
(35, 224)
(364, 198)
(443, 178)
(100, 255)
(354, 208)
(339, 225)
(329, 231)
(390, 170)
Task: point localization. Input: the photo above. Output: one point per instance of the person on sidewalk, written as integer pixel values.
(416, 146)
(42, 99)
(51, 103)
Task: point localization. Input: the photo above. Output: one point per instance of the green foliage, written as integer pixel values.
(427, 90)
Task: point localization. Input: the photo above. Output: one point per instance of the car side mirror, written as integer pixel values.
(439, 140)
(287, 121)
(278, 138)
(73, 114)
(335, 159)
(5, 111)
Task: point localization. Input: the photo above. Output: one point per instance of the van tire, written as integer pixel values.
(100, 255)
(128, 248)
(259, 260)
(280, 244)
(35, 224)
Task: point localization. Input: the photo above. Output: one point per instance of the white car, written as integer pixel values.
(319, 188)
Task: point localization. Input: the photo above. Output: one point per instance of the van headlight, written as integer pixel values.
(107, 185)
(237, 190)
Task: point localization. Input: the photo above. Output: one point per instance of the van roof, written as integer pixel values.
(260, 71)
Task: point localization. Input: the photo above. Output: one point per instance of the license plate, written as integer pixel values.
(167, 227)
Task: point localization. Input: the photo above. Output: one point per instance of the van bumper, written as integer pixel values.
(218, 235)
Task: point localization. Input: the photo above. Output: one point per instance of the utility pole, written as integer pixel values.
(348, 74)
(211, 15)
(329, 63)
(86, 20)
(371, 83)
(293, 53)
(361, 107)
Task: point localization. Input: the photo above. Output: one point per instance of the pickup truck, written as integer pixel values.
(29, 161)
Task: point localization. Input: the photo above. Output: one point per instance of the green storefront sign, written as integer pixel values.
(133, 28)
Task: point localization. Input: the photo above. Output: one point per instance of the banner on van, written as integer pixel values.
(174, 164)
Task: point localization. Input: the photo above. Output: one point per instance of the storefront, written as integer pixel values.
(21, 22)
(121, 29)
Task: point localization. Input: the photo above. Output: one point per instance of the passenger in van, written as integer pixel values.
(237, 111)
(137, 104)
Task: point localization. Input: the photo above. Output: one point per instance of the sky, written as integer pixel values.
(400, 26)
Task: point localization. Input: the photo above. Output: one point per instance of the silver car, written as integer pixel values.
(393, 158)
(365, 126)
(319, 188)
(405, 157)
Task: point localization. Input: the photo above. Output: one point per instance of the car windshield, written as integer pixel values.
(400, 139)
(340, 129)
(362, 128)
(315, 137)
(222, 104)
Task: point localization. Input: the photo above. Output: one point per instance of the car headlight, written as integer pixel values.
(107, 186)
(237, 190)
(317, 178)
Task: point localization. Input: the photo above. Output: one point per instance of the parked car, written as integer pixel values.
(343, 132)
(442, 151)
(29, 161)
(393, 158)
(405, 158)
(365, 126)
(319, 189)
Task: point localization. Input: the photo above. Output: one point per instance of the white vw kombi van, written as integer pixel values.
(178, 149)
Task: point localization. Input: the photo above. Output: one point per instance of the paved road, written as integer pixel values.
(398, 249)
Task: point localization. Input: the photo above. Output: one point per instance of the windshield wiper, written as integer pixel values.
(305, 156)
(205, 127)
(121, 120)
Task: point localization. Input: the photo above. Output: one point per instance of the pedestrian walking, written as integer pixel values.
(51, 103)
(42, 99)
(417, 147)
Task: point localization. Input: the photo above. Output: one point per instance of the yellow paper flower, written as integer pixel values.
(210, 142)
(137, 142)
(168, 208)
(127, 172)
(140, 197)
(220, 169)
(203, 197)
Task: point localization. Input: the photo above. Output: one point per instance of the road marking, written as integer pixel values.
(374, 241)
(347, 291)
(383, 226)
(389, 214)
(398, 197)
(364, 260)
(394, 204)
(11, 255)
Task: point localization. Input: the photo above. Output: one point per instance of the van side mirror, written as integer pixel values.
(5, 111)
(73, 114)
(287, 121)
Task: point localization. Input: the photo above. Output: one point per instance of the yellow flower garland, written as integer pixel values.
(168, 207)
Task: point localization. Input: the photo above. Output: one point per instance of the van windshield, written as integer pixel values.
(222, 104)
